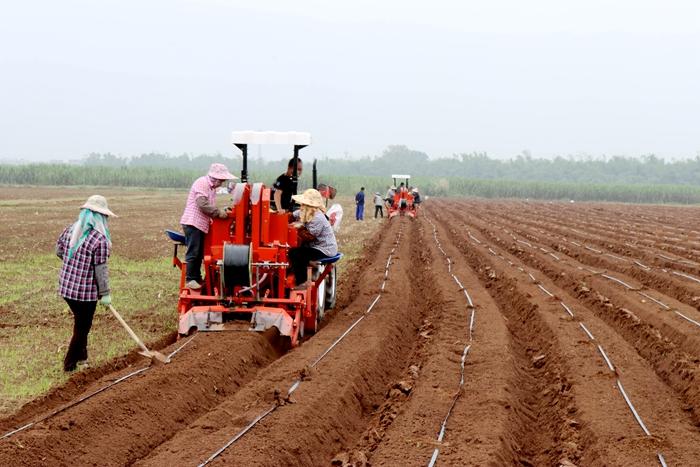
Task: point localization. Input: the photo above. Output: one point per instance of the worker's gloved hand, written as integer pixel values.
(106, 300)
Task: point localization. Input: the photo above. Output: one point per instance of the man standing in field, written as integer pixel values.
(360, 204)
(199, 210)
(378, 205)
(285, 187)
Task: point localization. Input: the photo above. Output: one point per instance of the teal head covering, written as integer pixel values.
(87, 220)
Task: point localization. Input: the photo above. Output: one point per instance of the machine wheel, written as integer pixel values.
(320, 302)
(330, 286)
(302, 329)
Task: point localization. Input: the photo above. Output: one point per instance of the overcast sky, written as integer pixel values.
(555, 77)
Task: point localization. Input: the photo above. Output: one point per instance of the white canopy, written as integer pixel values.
(296, 138)
(400, 176)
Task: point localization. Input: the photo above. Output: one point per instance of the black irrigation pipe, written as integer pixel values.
(606, 359)
(296, 383)
(88, 396)
(465, 352)
(619, 281)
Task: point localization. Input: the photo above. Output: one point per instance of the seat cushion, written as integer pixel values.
(330, 259)
(176, 237)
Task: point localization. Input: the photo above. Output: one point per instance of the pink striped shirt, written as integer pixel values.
(193, 215)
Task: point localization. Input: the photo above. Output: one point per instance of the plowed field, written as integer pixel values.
(481, 333)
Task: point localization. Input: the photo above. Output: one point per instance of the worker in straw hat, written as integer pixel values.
(84, 247)
(315, 232)
(199, 210)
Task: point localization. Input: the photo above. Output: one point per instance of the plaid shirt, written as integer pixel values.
(193, 215)
(76, 280)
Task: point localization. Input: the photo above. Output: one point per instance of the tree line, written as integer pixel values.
(647, 169)
(647, 179)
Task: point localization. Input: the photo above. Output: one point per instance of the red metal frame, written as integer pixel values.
(270, 236)
(409, 209)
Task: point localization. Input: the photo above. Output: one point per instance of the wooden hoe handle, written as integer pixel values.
(129, 330)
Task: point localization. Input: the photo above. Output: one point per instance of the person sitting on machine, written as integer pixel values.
(316, 236)
(416, 195)
(284, 187)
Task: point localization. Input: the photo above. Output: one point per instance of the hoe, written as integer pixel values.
(144, 350)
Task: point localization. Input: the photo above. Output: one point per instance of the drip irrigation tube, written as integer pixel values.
(634, 411)
(88, 396)
(687, 276)
(239, 435)
(567, 309)
(443, 426)
(297, 382)
(585, 329)
(605, 357)
(602, 352)
(655, 300)
(615, 279)
(686, 318)
(545, 290)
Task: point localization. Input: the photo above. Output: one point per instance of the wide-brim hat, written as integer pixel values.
(98, 203)
(311, 198)
(220, 172)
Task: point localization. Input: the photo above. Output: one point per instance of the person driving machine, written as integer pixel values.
(286, 185)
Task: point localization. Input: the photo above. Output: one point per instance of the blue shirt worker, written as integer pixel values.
(360, 204)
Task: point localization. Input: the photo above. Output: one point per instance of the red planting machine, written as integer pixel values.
(246, 263)
(404, 202)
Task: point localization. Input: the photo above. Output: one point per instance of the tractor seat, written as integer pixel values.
(176, 237)
(328, 259)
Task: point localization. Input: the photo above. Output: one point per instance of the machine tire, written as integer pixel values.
(331, 282)
(320, 302)
(302, 329)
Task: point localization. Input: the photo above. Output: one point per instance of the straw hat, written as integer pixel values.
(98, 203)
(220, 172)
(311, 198)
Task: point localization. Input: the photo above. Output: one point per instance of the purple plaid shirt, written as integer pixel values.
(76, 280)
(193, 215)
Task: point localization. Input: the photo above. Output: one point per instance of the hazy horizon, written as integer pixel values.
(552, 78)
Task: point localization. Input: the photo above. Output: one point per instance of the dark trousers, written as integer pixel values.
(82, 322)
(359, 212)
(378, 210)
(299, 258)
(194, 239)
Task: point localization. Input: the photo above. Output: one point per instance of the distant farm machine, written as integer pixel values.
(403, 203)
(246, 262)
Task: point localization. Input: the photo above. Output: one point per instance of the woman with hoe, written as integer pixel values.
(84, 248)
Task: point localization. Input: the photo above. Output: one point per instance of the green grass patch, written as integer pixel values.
(36, 324)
